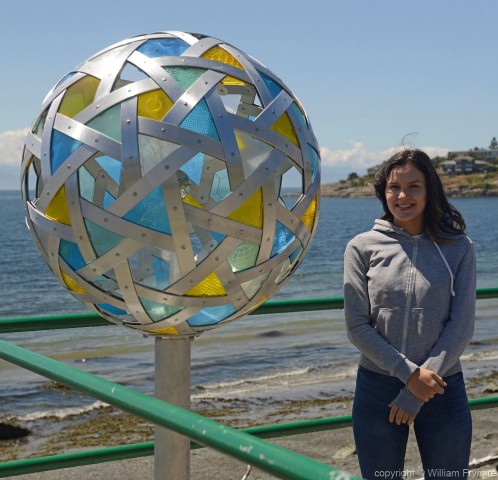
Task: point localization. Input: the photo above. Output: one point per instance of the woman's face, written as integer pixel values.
(406, 196)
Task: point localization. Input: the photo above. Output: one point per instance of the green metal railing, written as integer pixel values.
(246, 445)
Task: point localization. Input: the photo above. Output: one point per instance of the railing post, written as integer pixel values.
(172, 385)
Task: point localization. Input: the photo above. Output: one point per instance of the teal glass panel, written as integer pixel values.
(61, 148)
(108, 123)
(193, 168)
(243, 257)
(272, 86)
(106, 307)
(71, 254)
(220, 187)
(151, 212)
(112, 166)
(185, 76)
(283, 238)
(86, 183)
(159, 311)
(315, 162)
(200, 120)
(163, 47)
(211, 315)
(102, 239)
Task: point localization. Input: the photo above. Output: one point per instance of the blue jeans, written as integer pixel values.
(443, 429)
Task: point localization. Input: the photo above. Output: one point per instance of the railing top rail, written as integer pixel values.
(81, 320)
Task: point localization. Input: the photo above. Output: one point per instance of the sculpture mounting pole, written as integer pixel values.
(172, 384)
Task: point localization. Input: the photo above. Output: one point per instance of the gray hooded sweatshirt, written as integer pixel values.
(409, 303)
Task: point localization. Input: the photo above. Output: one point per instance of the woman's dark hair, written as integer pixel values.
(441, 219)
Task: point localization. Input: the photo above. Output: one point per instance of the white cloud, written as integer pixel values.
(357, 156)
(11, 145)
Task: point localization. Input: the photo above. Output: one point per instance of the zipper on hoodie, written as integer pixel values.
(409, 293)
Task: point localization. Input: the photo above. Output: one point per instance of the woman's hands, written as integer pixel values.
(398, 415)
(424, 384)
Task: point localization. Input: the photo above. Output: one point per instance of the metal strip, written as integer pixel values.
(126, 229)
(86, 135)
(130, 155)
(179, 229)
(154, 178)
(62, 231)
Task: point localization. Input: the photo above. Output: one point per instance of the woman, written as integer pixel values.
(409, 296)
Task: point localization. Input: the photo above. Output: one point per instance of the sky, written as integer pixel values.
(372, 75)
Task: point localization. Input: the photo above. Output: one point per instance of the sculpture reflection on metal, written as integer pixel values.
(157, 168)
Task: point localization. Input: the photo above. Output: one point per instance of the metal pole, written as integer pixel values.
(172, 385)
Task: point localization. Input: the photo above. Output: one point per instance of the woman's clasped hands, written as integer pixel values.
(423, 384)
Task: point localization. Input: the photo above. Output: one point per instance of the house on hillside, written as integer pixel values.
(463, 164)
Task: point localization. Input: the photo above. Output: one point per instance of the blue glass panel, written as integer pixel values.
(102, 239)
(315, 162)
(161, 273)
(295, 255)
(221, 185)
(211, 315)
(63, 79)
(163, 47)
(112, 309)
(61, 148)
(283, 238)
(108, 200)
(151, 212)
(217, 236)
(158, 311)
(199, 120)
(193, 168)
(300, 116)
(112, 166)
(272, 86)
(71, 254)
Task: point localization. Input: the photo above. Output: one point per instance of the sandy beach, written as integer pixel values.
(335, 447)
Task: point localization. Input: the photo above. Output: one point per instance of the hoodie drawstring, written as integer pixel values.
(452, 277)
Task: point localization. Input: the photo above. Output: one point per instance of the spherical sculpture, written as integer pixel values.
(152, 183)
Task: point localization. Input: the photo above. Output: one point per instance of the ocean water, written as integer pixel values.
(254, 363)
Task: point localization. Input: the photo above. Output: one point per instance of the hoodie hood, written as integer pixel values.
(389, 227)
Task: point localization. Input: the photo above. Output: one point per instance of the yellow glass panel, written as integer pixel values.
(192, 201)
(166, 331)
(284, 126)
(78, 96)
(309, 215)
(154, 104)
(71, 284)
(221, 55)
(57, 209)
(228, 80)
(211, 286)
(251, 211)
